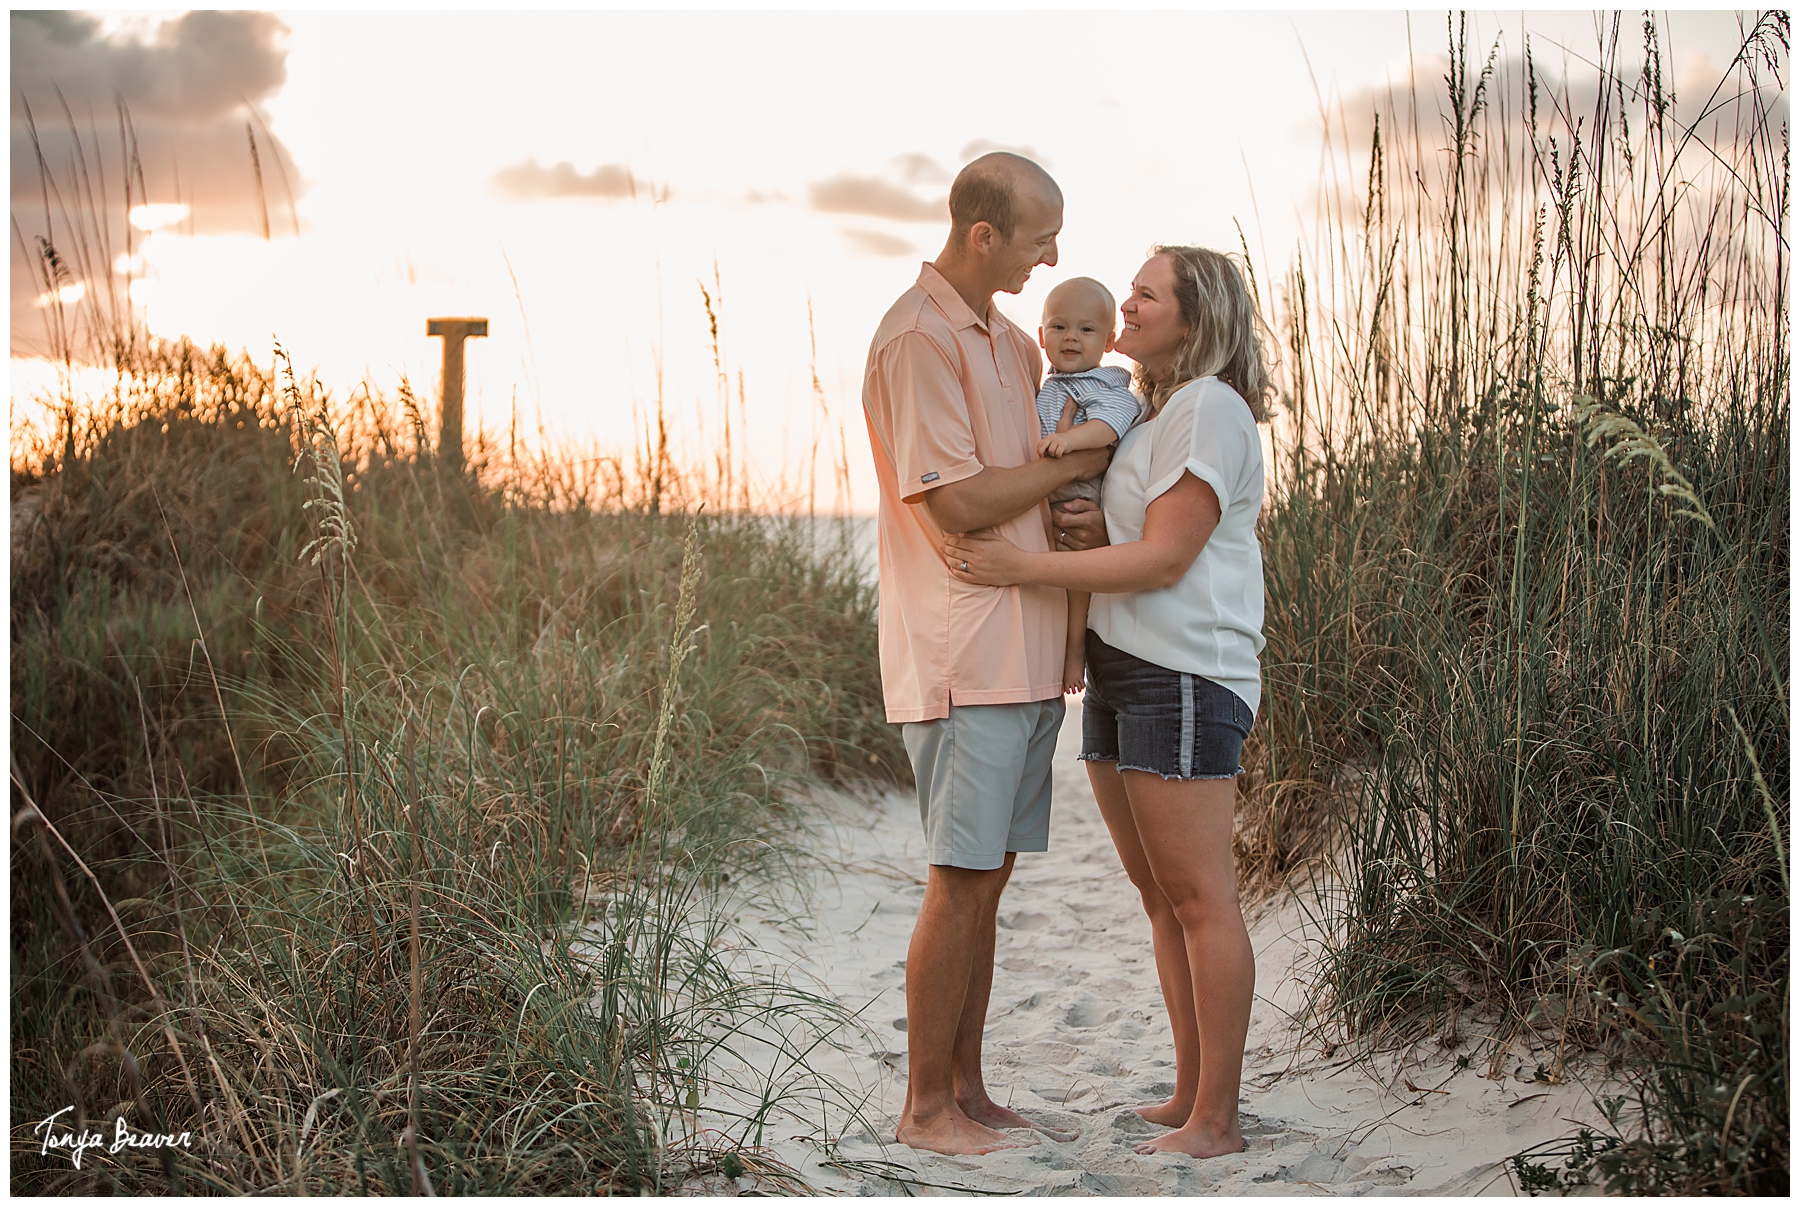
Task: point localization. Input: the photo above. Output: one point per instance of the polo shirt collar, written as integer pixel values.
(948, 300)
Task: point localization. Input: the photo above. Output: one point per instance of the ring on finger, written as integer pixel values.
(965, 567)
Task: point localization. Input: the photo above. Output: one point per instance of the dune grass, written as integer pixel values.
(1527, 568)
(383, 829)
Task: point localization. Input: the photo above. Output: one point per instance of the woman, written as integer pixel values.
(1173, 679)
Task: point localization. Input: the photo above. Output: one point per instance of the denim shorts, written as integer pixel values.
(1146, 717)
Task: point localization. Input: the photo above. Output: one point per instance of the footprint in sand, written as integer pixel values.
(1024, 920)
(1087, 1012)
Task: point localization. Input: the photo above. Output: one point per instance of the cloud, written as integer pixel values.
(1417, 122)
(877, 243)
(982, 146)
(532, 179)
(919, 168)
(190, 87)
(1420, 100)
(874, 197)
(200, 65)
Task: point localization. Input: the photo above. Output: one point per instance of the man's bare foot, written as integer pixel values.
(953, 1135)
(991, 1113)
(1172, 1113)
(1196, 1142)
(994, 1115)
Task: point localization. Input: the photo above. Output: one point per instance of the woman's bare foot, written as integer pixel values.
(953, 1135)
(1172, 1113)
(1196, 1142)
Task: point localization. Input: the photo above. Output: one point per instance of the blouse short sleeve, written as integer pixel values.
(1212, 445)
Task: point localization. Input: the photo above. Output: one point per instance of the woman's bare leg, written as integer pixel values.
(1166, 935)
(1184, 828)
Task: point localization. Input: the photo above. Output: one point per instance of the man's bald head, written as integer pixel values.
(989, 190)
(1005, 214)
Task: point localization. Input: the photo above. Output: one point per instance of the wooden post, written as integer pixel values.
(454, 331)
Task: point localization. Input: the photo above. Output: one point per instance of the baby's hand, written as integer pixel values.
(1053, 445)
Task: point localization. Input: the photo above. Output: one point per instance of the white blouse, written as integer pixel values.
(1209, 623)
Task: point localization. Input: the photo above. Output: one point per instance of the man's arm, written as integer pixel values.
(996, 495)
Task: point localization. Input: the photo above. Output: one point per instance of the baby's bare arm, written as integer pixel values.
(1066, 420)
(1095, 433)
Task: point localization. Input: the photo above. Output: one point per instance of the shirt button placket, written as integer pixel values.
(999, 371)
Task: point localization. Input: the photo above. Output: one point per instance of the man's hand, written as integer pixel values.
(1085, 462)
(1080, 524)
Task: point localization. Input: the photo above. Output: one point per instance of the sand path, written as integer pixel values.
(1076, 1032)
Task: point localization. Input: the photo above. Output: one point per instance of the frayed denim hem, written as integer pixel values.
(1178, 774)
(1104, 758)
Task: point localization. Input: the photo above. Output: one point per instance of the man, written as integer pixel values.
(972, 674)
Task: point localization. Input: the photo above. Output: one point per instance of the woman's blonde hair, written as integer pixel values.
(1224, 337)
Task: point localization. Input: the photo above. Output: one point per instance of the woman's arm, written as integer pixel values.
(1177, 525)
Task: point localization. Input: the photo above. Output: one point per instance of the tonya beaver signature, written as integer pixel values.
(123, 1137)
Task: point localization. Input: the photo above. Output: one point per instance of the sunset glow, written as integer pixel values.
(580, 178)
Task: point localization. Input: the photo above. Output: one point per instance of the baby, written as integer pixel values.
(1083, 404)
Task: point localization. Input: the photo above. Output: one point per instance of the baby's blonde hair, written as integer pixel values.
(1093, 286)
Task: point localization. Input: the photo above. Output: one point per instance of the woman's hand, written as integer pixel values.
(984, 559)
(1079, 524)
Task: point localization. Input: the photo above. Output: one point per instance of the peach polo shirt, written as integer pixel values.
(945, 395)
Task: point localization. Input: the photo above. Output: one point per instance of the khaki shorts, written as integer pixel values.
(984, 780)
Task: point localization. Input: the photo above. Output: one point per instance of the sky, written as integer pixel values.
(578, 177)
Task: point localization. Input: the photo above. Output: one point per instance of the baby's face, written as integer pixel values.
(1077, 330)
